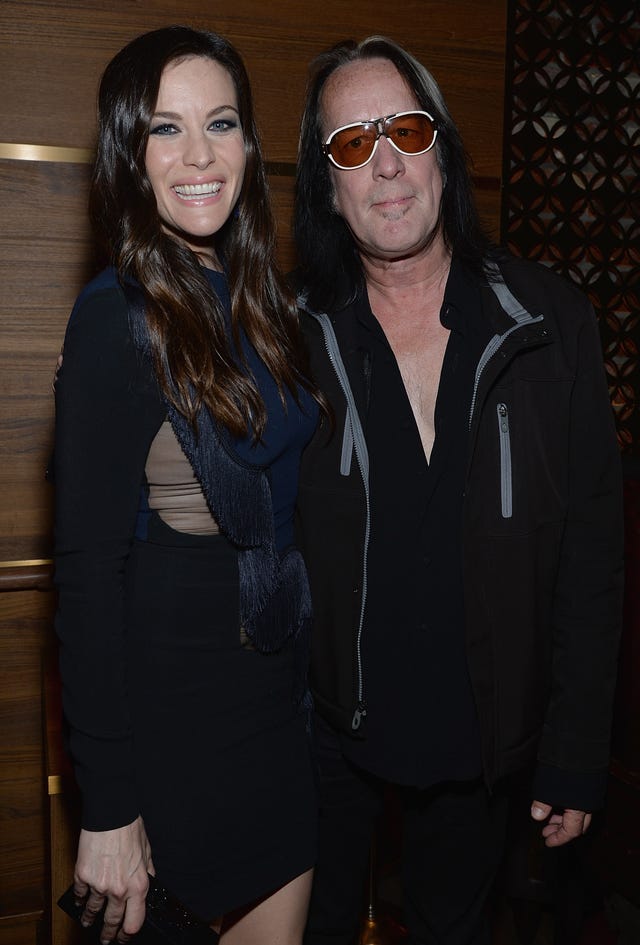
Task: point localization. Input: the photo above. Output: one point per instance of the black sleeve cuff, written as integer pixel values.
(112, 805)
(576, 790)
(104, 774)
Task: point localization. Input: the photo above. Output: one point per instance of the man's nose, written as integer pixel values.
(387, 161)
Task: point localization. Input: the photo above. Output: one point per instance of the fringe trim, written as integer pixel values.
(275, 600)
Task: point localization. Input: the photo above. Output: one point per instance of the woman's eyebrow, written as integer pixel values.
(213, 111)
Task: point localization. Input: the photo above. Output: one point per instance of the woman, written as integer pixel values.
(182, 409)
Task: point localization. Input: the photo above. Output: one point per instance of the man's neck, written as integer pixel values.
(412, 284)
(421, 276)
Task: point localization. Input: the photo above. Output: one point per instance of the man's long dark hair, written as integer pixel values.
(331, 269)
(192, 352)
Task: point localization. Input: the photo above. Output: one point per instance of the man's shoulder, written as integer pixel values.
(538, 281)
(341, 295)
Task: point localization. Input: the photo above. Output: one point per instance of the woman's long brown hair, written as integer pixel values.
(192, 353)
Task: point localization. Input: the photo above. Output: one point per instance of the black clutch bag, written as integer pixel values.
(167, 921)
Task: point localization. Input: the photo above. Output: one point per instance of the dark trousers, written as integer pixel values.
(452, 842)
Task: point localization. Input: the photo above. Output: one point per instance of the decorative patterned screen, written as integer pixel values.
(572, 167)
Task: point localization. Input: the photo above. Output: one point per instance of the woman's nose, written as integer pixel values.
(199, 152)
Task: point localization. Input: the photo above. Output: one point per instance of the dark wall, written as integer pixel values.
(572, 168)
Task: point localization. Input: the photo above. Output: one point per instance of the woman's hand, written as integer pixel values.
(57, 371)
(112, 866)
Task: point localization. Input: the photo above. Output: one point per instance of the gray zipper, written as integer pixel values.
(353, 441)
(492, 349)
(510, 304)
(506, 491)
(522, 318)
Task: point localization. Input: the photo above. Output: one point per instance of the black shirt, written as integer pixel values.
(421, 725)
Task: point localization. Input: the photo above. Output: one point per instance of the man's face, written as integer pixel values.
(391, 205)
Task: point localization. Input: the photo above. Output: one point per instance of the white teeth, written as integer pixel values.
(198, 190)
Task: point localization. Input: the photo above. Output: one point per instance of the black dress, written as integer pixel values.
(173, 714)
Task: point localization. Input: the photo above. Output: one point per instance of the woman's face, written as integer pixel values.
(195, 156)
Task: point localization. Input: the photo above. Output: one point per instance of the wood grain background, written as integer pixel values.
(51, 56)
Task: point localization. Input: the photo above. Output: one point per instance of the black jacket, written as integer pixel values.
(542, 534)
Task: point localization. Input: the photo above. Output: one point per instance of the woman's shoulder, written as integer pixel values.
(99, 348)
(99, 320)
(103, 289)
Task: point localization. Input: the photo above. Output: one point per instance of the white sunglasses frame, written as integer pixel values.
(379, 125)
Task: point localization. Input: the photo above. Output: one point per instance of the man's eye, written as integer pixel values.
(162, 130)
(355, 143)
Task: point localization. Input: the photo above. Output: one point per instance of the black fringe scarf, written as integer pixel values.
(275, 601)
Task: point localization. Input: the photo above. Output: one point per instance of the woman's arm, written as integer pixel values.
(107, 412)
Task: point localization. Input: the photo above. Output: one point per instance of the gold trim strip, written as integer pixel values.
(44, 152)
(54, 784)
(26, 563)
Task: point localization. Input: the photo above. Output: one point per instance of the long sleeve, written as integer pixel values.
(587, 601)
(107, 413)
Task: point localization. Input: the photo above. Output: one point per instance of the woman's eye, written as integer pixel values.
(162, 130)
(223, 124)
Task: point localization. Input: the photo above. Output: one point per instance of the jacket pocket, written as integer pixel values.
(506, 486)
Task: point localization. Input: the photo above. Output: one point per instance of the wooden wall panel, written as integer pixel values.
(45, 254)
(25, 621)
(281, 189)
(52, 53)
(21, 929)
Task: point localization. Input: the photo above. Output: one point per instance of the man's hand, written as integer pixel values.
(560, 827)
(112, 868)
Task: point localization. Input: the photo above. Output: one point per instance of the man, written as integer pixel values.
(461, 516)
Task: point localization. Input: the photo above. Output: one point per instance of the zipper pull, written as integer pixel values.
(358, 715)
